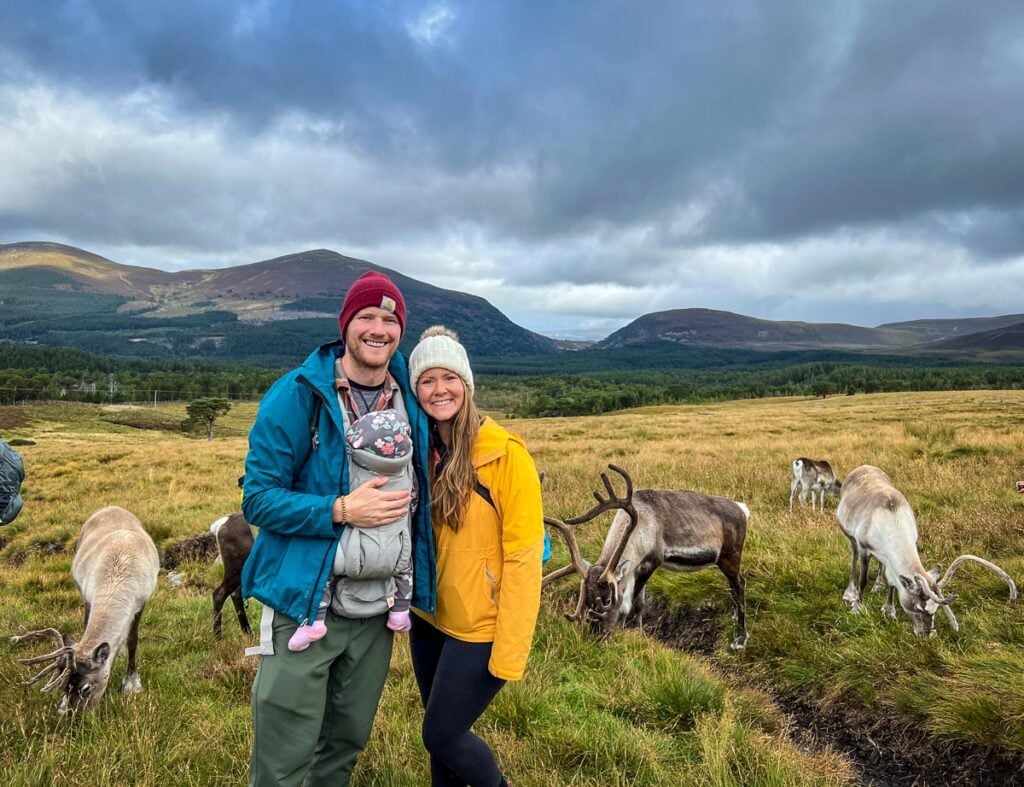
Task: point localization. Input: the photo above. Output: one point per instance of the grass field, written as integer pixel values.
(629, 711)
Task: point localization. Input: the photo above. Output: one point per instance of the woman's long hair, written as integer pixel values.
(451, 487)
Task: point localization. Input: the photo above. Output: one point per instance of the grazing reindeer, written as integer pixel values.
(811, 475)
(682, 531)
(234, 542)
(880, 524)
(115, 568)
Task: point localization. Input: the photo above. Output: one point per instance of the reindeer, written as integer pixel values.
(880, 524)
(234, 542)
(812, 475)
(682, 531)
(1020, 487)
(115, 568)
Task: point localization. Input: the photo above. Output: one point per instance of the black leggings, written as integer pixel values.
(456, 688)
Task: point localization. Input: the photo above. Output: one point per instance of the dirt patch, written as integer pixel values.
(19, 556)
(889, 752)
(885, 751)
(195, 548)
(692, 629)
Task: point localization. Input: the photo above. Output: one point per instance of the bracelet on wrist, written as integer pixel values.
(344, 510)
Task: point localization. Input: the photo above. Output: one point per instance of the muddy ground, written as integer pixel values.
(885, 751)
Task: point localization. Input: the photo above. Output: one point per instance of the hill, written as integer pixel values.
(271, 312)
(929, 330)
(1007, 339)
(711, 328)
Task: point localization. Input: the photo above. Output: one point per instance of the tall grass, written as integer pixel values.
(627, 711)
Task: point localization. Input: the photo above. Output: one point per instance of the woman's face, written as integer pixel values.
(441, 393)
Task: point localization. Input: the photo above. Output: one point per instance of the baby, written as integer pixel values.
(372, 566)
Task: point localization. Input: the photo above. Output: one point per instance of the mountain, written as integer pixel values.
(271, 312)
(929, 330)
(710, 328)
(1005, 340)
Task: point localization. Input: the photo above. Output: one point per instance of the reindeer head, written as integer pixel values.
(87, 681)
(603, 602)
(82, 680)
(600, 600)
(921, 599)
(921, 596)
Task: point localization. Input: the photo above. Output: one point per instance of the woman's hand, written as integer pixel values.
(368, 506)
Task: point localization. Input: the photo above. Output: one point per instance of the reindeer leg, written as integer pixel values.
(792, 492)
(243, 619)
(862, 579)
(888, 608)
(132, 683)
(643, 573)
(220, 595)
(880, 583)
(730, 566)
(852, 594)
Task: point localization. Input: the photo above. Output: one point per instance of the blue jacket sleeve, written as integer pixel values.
(276, 479)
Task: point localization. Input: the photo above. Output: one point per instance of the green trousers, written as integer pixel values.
(313, 710)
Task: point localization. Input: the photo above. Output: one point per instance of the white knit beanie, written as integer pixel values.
(439, 348)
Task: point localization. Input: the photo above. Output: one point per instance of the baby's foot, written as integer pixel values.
(399, 621)
(300, 639)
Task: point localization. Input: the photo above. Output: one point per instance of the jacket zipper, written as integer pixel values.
(318, 592)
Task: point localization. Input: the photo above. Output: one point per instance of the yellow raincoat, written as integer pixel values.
(489, 571)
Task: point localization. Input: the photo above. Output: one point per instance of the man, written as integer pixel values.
(313, 709)
(12, 473)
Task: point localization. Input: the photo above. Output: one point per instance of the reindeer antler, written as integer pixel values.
(61, 660)
(577, 565)
(989, 565)
(611, 502)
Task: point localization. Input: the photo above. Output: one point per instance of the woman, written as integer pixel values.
(489, 535)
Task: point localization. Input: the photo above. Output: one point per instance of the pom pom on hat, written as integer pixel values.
(372, 289)
(439, 348)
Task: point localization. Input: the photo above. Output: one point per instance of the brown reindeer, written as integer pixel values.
(677, 530)
(234, 542)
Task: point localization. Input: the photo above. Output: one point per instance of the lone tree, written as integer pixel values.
(202, 413)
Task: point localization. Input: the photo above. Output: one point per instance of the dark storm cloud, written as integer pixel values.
(618, 144)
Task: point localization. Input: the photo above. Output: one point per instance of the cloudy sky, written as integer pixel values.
(578, 164)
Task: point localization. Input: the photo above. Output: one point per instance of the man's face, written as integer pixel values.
(372, 338)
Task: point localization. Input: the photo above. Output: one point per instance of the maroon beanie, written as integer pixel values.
(372, 289)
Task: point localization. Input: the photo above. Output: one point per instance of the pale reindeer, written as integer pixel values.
(813, 475)
(880, 524)
(677, 530)
(115, 568)
(1020, 487)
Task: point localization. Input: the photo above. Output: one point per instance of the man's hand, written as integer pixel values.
(368, 506)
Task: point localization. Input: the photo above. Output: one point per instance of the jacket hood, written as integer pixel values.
(492, 442)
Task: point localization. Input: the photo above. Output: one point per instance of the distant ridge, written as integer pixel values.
(1008, 339)
(949, 328)
(711, 328)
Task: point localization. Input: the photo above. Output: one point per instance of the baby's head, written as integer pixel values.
(383, 433)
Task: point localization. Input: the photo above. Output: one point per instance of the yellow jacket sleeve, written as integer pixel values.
(517, 497)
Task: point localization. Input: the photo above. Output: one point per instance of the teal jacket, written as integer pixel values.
(292, 480)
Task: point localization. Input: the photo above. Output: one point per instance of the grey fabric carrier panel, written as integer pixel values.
(367, 559)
